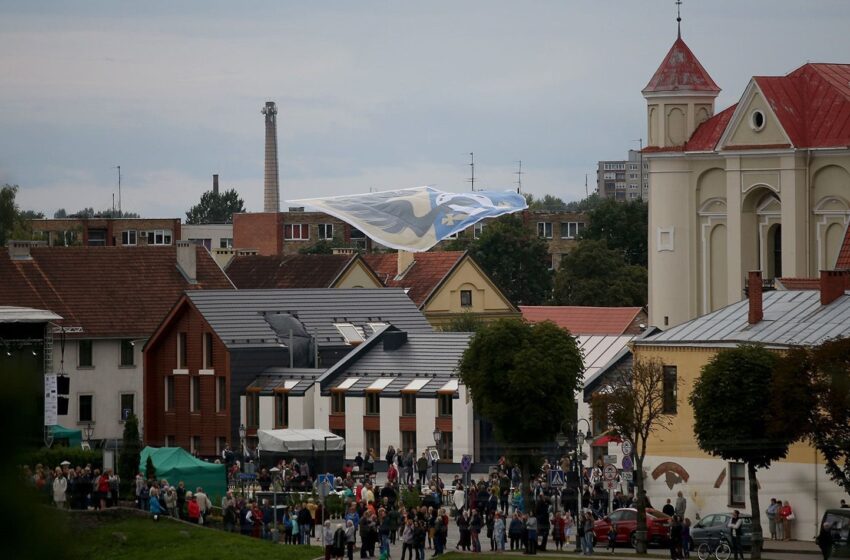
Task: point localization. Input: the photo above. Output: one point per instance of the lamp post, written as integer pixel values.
(242, 444)
(561, 440)
(89, 430)
(580, 437)
(438, 436)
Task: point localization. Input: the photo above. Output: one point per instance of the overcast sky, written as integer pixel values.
(370, 94)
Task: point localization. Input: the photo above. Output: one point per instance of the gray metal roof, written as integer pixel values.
(238, 316)
(791, 318)
(295, 380)
(433, 356)
(26, 315)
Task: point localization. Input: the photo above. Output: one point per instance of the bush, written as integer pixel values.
(411, 499)
(55, 455)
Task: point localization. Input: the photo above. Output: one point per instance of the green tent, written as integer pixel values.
(175, 464)
(74, 437)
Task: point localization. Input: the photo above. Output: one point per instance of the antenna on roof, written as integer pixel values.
(519, 173)
(679, 17)
(472, 170)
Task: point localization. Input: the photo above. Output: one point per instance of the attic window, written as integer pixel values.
(757, 120)
(375, 327)
(351, 334)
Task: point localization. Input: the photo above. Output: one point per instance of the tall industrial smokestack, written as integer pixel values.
(271, 196)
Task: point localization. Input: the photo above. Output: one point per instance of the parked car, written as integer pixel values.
(839, 525)
(625, 519)
(712, 529)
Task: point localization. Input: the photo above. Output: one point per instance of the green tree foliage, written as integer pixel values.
(635, 402)
(515, 259)
(131, 451)
(465, 322)
(150, 469)
(749, 408)
(216, 208)
(14, 223)
(585, 204)
(523, 378)
(548, 203)
(623, 225)
(594, 274)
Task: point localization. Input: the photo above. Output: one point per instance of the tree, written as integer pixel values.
(749, 408)
(594, 274)
(623, 225)
(515, 259)
(548, 203)
(635, 402)
(150, 469)
(465, 322)
(131, 451)
(523, 378)
(584, 205)
(828, 367)
(14, 223)
(216, 208)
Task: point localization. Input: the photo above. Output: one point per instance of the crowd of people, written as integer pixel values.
(81, 487)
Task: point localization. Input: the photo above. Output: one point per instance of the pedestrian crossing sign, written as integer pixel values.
(556, 477)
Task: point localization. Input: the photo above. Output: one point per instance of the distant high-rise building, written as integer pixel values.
(623, 179)
(271, 193)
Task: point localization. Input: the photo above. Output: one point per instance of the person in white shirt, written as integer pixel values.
(204, 503)
(734, 526)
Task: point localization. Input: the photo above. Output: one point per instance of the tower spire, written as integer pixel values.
(679, 17)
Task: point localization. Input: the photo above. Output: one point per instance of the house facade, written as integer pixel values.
(343, 270)
(107, 232)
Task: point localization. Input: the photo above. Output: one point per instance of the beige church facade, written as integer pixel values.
(763, 185)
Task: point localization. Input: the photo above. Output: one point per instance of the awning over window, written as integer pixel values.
(449, 387)
(380, 384)
(348, 383)
(606, 439)
(415, 385)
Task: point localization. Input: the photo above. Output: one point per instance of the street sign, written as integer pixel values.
(610, 472)
(610, 484)
(626, 447)
(627, 476)
(556, 477)
(627, 463)
(324, 485)
(466, 463)
(610, 460)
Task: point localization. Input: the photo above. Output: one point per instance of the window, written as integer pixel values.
(221, 394)
(169, 441)
(478, 229)
(571, 230)
(85, 408)
(445, 404)
(195, 394)
(205, 242)
(85, 352)
(97, 237)
(737, 486)
(281, 410)
(446, 446)
(127, 357)
(195, 445)
(296, 231)
(357, 234)
(169, 393)
(252, 410)
(326, 231)
(757, 120)
(225, 243)
(544, 230)
(220, 444)
(351, 333)
(408, 404)
(670, 390)
(207, 343)
(408, 441)
(128, 237)
(181, 350)
(466, 298)
(373, 403)
(128, 401)
(338, 402)
(159, 237)
(373, 441)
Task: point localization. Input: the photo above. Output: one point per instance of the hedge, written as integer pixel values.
(55, 455)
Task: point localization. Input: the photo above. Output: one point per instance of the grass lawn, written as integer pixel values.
(102, 537)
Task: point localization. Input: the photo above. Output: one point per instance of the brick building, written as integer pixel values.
(347, 270)
(107, 232)
(286, 233)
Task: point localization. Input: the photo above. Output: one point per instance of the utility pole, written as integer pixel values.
(472, 170)
(119, 192)
(585, 186)
(519, 173)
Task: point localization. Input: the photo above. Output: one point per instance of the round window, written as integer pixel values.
(757, 120)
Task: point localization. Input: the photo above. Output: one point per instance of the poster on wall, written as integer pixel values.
(51, 408)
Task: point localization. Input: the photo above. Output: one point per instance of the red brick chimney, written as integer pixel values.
(754, 289)
(832, 284)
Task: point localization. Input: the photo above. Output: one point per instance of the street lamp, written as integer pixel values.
(242, 443)
(561, 440)
(438, 436)
(580, 439)
(89, 430)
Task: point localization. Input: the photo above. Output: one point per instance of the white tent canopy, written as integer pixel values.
(289, 441)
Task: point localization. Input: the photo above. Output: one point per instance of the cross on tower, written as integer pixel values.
(679, 17)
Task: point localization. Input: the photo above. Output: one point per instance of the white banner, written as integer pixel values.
(51, 407)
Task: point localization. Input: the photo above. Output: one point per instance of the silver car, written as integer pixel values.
(712, 529)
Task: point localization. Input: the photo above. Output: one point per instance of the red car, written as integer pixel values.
(625, 519)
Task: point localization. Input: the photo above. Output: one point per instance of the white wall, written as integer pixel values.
(426, 414)
(355, 407)
(308, 420)
(390, 434)
(213, 232)
(266, 412)
(296, 412)
(107, 380)
(322, 407)
(462, 426)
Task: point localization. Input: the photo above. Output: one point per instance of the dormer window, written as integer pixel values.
(353, 335)
(757, 120)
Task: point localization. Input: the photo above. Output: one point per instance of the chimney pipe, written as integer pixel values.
(754, 292)
(271, 192)
(187, 260)
(832, 285)
(215, 184)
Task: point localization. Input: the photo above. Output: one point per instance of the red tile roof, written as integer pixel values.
(800, 283)
(429, 269)
(108, 291)
(580, 320)
(680, 71)
(843, 260)
(286, 271)
(812, 103)
(706, 136)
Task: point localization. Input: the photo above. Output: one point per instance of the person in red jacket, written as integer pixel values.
(103, 488)
(193, 510)
(786, 514)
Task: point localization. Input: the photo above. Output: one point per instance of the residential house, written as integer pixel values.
(444, 285)
(214, 344)
(106, 232)
(345, 270)
(110, 300)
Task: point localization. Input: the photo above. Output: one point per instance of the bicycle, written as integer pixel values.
(720, 550)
